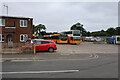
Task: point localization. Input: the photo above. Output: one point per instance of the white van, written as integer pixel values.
(117, 39)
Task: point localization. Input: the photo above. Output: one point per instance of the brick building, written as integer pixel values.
(15, 29)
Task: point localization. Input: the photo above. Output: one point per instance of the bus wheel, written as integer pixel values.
(68, 41)
(56, 42)
(51, 50)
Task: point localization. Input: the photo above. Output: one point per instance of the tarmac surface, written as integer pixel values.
(64, 66)
(86, 60)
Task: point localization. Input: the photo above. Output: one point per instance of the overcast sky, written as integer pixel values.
(60, 16)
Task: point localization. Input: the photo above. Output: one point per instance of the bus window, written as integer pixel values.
(76, 38)
(69, 32)
(46, 37)
(118, 38)
(54, 37)
(76, 33)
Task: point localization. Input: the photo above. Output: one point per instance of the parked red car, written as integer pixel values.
(41, 45)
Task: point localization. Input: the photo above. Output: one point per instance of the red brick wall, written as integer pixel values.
(19, 30)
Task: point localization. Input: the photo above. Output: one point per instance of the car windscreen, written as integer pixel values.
(27, 42)
(33, 41)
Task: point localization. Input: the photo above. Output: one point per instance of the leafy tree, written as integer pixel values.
(102, 30)
(43, 33)
(111, 31)
(99, 33)
(79, 26)
(38, 28)
(88, 34)
(117, 30)
(55, 33)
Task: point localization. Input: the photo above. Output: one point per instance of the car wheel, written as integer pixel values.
(51, 50)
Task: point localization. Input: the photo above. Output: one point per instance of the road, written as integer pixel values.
(90, 65)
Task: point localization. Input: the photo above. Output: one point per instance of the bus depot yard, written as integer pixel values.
(87, 47)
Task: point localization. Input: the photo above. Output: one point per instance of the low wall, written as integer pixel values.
(14, 48)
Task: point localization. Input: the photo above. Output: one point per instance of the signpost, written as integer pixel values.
(34, 49)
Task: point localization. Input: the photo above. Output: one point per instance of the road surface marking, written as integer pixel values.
(92, 56)
(18, 58)
(40, 72)
(65, 54)
(25, 60)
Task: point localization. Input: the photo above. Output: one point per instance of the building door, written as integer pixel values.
(10, 41)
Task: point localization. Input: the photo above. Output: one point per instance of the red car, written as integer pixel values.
(41, 45)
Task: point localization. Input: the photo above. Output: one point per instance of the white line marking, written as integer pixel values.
(96, 56)
(91, 55)
(64, 54)
(40, 72)
(26, 60)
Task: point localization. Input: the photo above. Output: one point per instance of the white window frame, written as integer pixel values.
(23, 37)
(1, 35)
(2, 24)
(23, 23)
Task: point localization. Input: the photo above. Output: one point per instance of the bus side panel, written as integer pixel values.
(60, 41)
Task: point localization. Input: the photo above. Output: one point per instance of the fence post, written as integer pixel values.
(34, 49)
(114, 41)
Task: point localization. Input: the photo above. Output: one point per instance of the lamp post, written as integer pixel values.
(6, 8)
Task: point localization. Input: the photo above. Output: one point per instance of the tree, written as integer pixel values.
(88, 34)
(118, 30)
(38, 28)
(79, 26)
(102, 30)
(111, 31)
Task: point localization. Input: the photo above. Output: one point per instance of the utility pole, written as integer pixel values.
(6, 8)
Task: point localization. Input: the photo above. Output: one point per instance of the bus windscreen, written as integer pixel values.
(63, 37)
(76, 33)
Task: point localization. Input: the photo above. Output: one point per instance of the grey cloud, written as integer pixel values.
(62, 15)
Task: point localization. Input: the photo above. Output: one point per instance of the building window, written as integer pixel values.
(2, 22)
(2, 38)
(23, 37)
(23, 23)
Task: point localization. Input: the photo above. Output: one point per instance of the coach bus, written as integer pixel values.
(74, 36)
(57, 38)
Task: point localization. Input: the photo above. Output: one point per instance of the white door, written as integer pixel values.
(10, 41)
